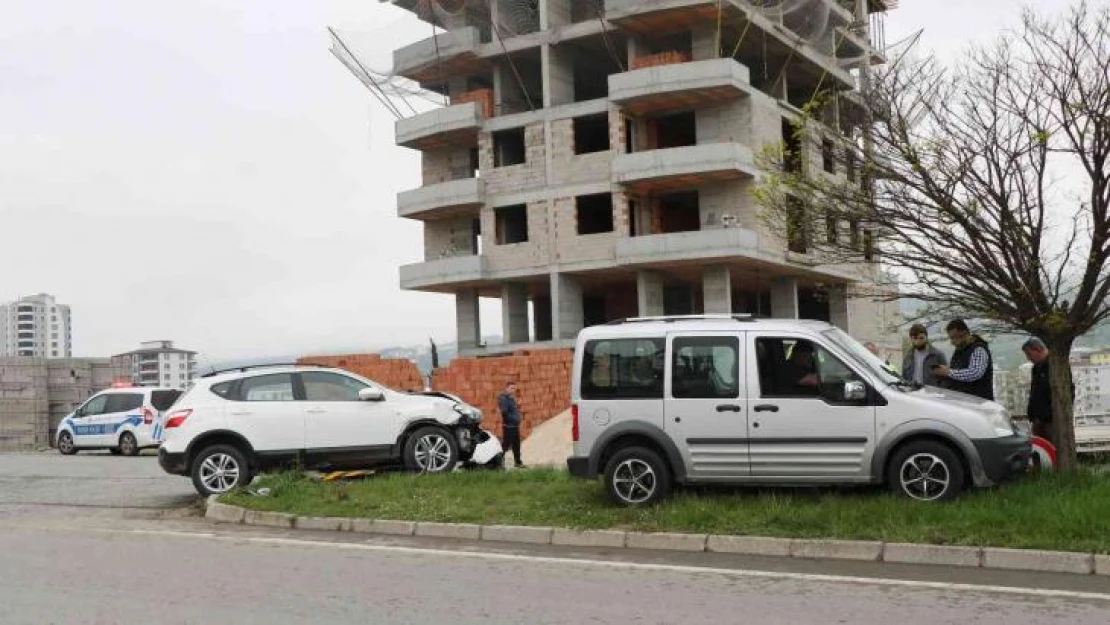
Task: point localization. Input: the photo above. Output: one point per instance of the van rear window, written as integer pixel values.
(162, 400)
(623, 369)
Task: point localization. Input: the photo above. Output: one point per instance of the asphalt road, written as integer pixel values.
(71, 553)
(32, 481)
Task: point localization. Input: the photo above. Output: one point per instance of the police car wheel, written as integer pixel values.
(219, 469)
(128, 446)
(66, 445)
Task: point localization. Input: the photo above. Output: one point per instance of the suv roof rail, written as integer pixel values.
(672, 318)
(216, 372)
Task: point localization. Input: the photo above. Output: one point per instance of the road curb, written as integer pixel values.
(813, 549)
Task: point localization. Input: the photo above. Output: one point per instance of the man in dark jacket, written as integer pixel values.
(510, 421)
(972, 368)
(1039, 409)
(918, 364)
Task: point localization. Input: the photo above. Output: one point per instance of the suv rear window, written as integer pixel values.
(623, 369)
(162, 400)
(223, 389)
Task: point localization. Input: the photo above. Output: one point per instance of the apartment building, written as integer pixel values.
(35, 326)
(159, 363)
(597, 160)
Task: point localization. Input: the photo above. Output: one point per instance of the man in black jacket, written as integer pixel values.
(1039, 410)
(971, 369)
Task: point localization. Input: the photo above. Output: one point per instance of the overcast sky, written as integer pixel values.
(205, 171)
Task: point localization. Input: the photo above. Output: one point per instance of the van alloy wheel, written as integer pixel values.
(128, 446)
(634, 481)
(925, 477)
(66, 445)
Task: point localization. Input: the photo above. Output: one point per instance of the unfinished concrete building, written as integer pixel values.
(597, 159)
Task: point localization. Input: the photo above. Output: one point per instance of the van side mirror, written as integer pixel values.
(855, 391)
(370, 394)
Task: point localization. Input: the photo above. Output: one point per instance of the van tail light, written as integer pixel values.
(177, 418)
(574, 422)
(148, 416)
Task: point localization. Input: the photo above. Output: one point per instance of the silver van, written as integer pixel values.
(733, 400)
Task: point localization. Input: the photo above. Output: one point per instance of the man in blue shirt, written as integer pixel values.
(510, 420)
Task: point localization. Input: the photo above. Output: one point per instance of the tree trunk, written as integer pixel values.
(1063, 420)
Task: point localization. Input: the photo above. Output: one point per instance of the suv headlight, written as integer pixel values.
(468, 412)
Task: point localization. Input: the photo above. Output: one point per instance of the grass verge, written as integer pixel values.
(1060, 512)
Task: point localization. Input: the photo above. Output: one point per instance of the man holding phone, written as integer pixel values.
(919, 363)
(972, 369)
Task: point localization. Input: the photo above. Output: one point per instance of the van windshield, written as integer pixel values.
(862, 355)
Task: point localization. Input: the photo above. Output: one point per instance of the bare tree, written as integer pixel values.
(984, 186)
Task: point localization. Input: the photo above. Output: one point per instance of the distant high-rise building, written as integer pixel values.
(159, 363)
(36, 326)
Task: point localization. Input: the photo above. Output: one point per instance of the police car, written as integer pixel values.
(121, 420)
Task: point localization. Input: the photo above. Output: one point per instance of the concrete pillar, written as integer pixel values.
(514, 312)
(541, 317)
(716, 286)
(558, 75)
(649, 294)
(467, 322)
(838, 307)
(784, 298)
(566, 306)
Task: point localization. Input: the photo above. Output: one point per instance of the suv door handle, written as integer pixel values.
(766, 408)
(239, 413)
(315, 410)
(728, 408)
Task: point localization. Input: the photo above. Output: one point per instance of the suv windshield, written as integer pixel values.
(862, 355)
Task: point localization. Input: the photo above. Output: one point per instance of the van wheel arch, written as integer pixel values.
(624, 441)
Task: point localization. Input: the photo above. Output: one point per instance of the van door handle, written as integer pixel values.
(239, 413)
(766, 408)
(728, 408)
(315, 410)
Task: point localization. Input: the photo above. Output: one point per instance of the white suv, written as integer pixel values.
(229, 426)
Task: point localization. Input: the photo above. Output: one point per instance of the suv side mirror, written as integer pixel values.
(855, 391)
(370, 394)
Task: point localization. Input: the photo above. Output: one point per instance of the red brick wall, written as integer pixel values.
(542, 377)
(663, 58)
(397, 374)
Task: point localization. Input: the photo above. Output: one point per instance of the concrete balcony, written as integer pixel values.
(679, 86)
(439, 201)
(676, 169)
(433, 59)
(451, 271)
(444, 127)
(687, 246)
(661, 15)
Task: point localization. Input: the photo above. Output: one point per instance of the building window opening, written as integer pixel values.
(594, 213)
(591, 134)
(508, 148)
(512, 224)
(673, 131)
(679, 212)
